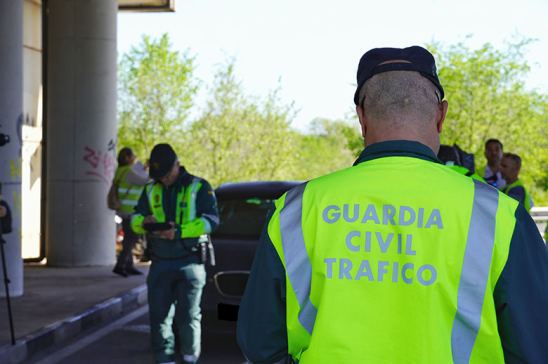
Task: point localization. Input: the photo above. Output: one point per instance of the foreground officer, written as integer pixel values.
(176, 277)
(397, 259)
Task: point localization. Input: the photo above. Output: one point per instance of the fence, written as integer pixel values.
(540, 216)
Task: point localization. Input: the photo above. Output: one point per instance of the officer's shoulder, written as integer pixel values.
(150, 183)
(199, 179)
(518, 188)
(331, 177)
(507, 203)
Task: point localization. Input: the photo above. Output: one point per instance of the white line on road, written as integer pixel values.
(87, 340)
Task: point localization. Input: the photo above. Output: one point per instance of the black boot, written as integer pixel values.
(119, 271)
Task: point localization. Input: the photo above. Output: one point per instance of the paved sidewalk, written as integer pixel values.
(59, 303)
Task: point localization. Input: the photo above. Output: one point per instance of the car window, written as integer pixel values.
(243, 218)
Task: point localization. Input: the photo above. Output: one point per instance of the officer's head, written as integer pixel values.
(164, 166)
(126, 156)
(399, 96)
(493, 151)
(510, 166)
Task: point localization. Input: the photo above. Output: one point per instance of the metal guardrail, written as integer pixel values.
(540, 216)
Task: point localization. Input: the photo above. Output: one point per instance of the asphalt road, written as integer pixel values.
(126, 341)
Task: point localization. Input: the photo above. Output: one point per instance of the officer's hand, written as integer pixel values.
(3, 211)
(149, 220)
(167, 234)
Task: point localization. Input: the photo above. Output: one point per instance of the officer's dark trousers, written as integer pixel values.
(174, 292)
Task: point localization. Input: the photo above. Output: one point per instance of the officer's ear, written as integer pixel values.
(442, 106)
(362, 118)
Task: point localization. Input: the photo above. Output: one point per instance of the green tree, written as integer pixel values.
(239, 137)
(156, 91)
(330, 145)
(487, 99)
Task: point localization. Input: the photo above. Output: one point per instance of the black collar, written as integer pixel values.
(397, 148)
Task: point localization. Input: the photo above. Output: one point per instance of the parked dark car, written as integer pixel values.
(243, 209)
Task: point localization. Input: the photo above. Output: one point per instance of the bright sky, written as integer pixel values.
(312, 48)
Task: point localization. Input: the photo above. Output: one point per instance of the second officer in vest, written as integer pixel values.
(177, 276)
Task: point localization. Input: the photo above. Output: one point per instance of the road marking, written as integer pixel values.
(94, 336)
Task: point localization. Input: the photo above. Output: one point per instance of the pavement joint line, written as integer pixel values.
(56, 332)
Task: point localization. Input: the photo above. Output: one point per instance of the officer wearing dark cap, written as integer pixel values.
(397, 259)
(176, 212)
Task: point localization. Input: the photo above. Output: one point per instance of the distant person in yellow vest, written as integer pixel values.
(510, 167)
(131, 177)
(493, 154)
(397, 259)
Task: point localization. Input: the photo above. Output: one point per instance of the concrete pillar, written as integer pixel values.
(11, 120)
(80, 131)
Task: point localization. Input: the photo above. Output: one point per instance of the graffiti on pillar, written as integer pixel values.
(19, 129)
(16, 205)
(16, 169)
(112, 146)
(99, 164)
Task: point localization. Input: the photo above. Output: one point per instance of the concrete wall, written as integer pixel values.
(81, 131)
(32, 128)
(11, 119)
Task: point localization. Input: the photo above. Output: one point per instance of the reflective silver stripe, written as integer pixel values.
(149, 189)
(129, 202)
(475, 271)
(130, 191)
(192, 202)
(297, 262)
(207, 225)
(213, 218)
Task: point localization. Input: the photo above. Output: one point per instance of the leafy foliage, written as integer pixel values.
(240, 137)
(331, 145)
(488, 99)
(156, 90)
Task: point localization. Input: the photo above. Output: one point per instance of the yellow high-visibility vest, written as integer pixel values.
(394, 260)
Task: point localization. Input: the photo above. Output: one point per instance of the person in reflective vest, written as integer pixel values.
(510, 167)
(176, 211)
(397, 259)
(130, 177)
(466, 172)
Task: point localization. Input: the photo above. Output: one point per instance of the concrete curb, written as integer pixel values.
(64, 330)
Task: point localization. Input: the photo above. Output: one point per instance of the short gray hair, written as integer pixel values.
(399, 97)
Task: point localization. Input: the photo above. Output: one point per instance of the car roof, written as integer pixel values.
(260, 189)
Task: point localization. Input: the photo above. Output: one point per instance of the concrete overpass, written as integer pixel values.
(58, 61)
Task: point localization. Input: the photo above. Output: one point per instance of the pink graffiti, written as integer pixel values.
(100, 164)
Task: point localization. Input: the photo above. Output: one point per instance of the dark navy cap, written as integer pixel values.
(162, 158)
(413, 58)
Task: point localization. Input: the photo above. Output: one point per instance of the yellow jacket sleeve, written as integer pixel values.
(137, 224)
